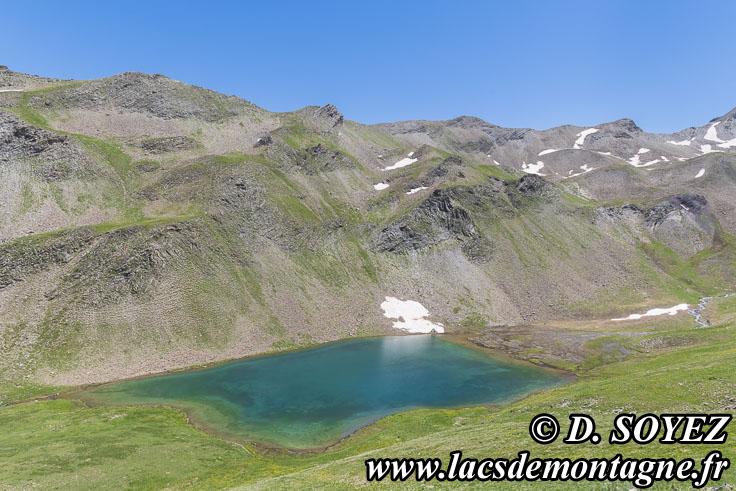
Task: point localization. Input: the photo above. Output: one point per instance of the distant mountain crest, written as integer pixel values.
(731, 115)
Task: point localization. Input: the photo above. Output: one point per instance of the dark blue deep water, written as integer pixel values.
(313, 397)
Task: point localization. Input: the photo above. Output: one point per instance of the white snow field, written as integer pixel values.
(654, 312)
(683, 142)
(401, 163)
(549, 150)
(712, 134)
(533, 168)
(581, 137)
(411, 316)
(583, 167)
(416, 190)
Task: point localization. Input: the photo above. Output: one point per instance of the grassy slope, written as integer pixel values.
(61, 444)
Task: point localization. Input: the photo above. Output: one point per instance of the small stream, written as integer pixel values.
(697, 312)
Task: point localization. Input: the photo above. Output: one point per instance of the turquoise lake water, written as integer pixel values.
(313, 397)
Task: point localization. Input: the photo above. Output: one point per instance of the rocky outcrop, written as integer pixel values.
(127, 261)
(15, 80)
(24, 257)
(443, 168)
(322, 118)
(263, 141)
(729, 116)
(51, 156)
(154, 95)
(320, 158)
(531, 185)
(168, 144)
(146, 166)
(691, 203)
(435, 220)
(622, 128)
(329, 114)
(309, 160)
(104, 268)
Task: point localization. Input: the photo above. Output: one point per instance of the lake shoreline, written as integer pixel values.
(459, 337)
(455, 336)
(502, 391)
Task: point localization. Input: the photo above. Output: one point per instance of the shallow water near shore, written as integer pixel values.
(312, 397)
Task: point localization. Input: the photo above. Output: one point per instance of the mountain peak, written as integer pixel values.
(470, 122)
(322, 118)
(731, 115)
(624, 124)
(24, 81)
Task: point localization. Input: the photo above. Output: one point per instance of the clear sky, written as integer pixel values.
(667, 65)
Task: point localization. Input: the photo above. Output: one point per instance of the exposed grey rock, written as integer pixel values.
(435, 220)
(443, 167)
(729, 116)
(310, 160)
(531, 185)
(51, 156)
(330, 113)
(168, 144)
(127, 261)
(26, 256)
(692, 203)
(155, 95)
(147, 166)
(321, 119)
(264, 141)
(15, 80)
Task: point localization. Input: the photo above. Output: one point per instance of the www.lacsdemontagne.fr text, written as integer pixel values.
(640, 472)
(668, 429)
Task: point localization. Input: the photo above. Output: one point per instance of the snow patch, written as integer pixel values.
(728, 144)
(549, 150)
(583, 167)
(401, 163)
(637, 163)
(416, 190)
(706, 148)
(670, 311)
(495, 162)
(411, 316)
(683, 142)
(11, 90)
(700, 173)
(712, 134)
(411, 154)
(643, 151)
(581, 137)
(664, 159)
(533, 168)
(380, 186)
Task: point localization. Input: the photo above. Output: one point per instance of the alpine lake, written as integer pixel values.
(311, 398)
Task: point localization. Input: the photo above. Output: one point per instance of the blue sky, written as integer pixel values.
(667, 65)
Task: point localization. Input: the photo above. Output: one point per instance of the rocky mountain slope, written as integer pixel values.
(148, 224)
